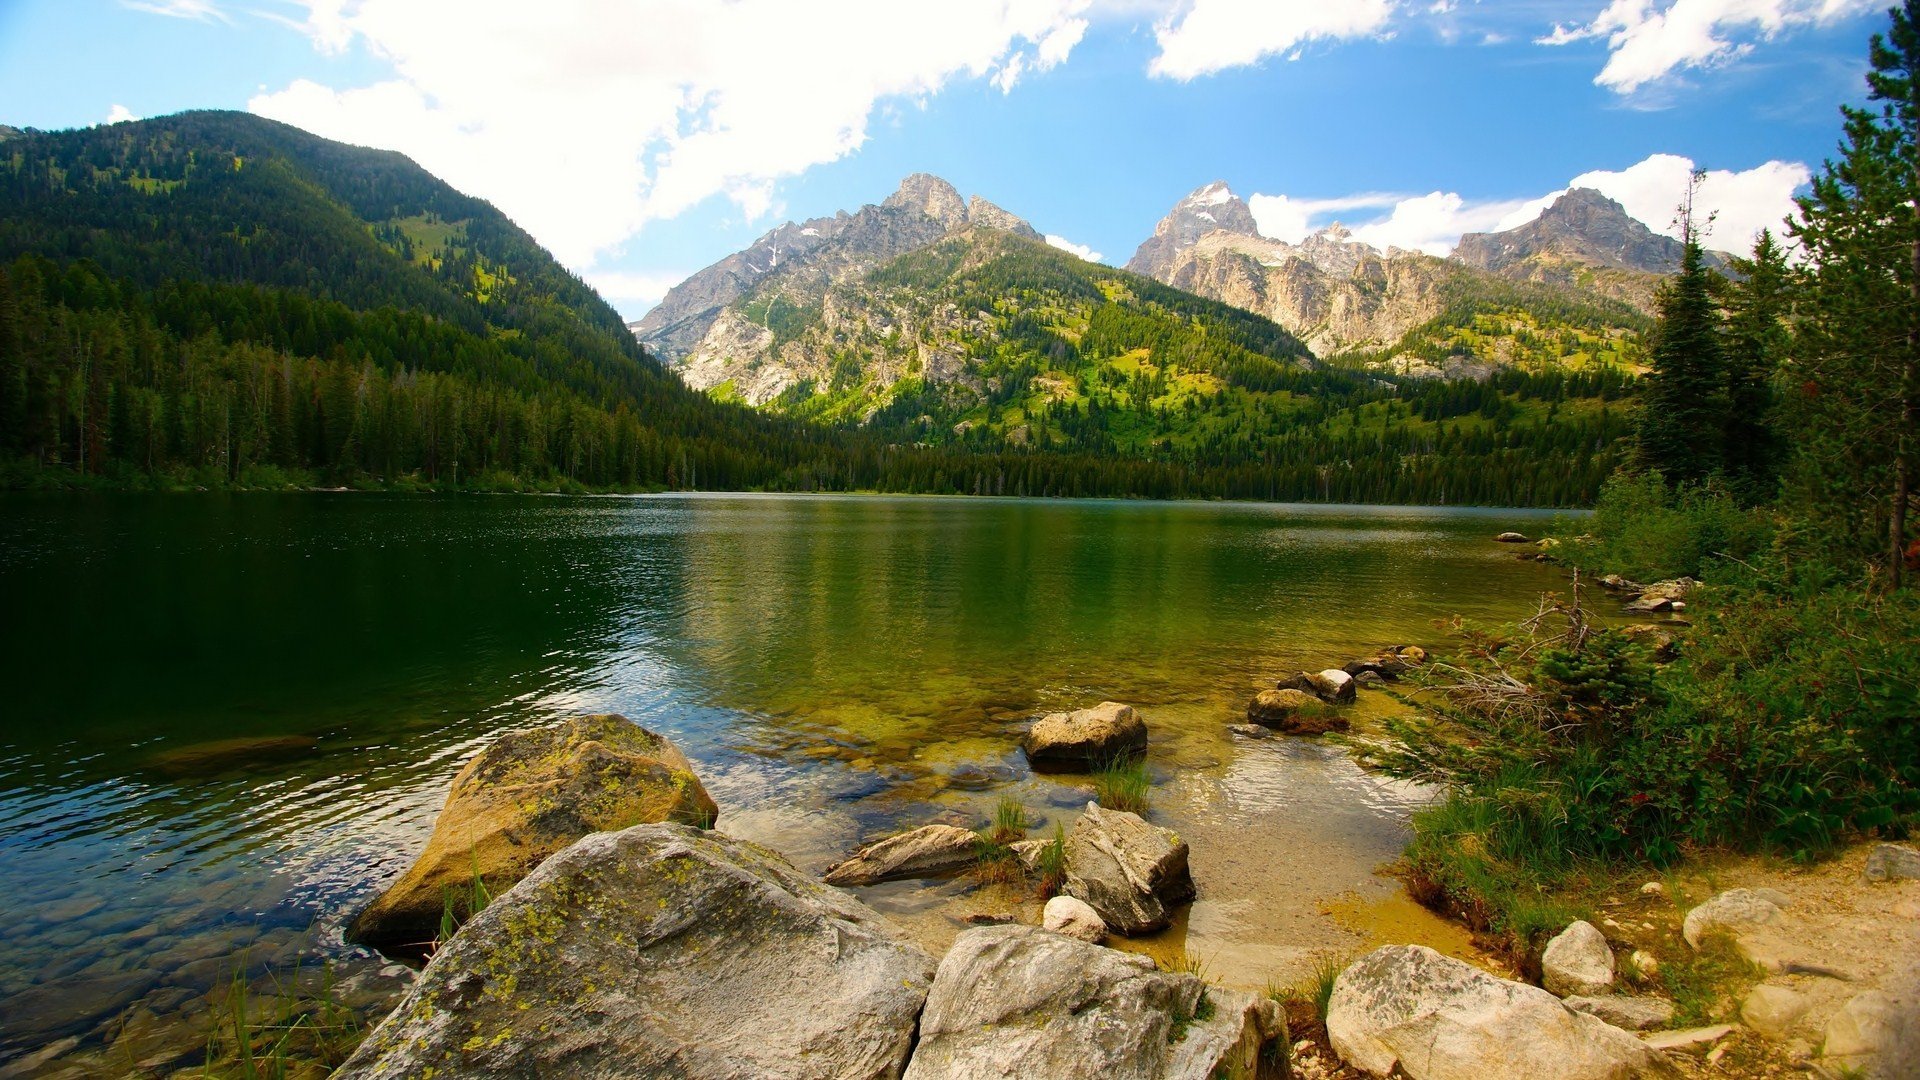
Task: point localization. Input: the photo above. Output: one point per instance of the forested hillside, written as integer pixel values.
(214, 299)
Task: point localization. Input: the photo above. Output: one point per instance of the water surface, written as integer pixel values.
(230, 718)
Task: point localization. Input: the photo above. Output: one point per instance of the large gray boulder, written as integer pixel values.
(928, 851)
(1876, 1034)
(524, 797)
(1103, 733)
(1893, 862)
(1132, 873)
(1018, 1002)
(1438, 1018)
(661, 950)
(1577, 962)
(1624, 1011)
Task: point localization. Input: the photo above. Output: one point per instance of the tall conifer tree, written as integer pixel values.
(1684, 403)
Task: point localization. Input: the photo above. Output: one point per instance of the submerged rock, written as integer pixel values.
(1294, 712)
(1577, 962)
(528, 795)
(1014, 1001)
(1132, 873)
(928, 851)
(1437, 1018)
(1107, 731)
(660, 950)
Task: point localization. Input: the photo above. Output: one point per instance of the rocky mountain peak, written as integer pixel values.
(982, 212)
(1582, 226)
(931, 196)
(1213, 208)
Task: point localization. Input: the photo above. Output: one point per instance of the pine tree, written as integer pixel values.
(1857, 364)
(1756, 345)
(1684, 400)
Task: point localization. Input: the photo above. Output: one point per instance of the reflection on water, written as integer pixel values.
(230, 718)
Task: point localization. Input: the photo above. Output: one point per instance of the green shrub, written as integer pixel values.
(1643, 530)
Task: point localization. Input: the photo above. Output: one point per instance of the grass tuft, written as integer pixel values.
(1124, 784)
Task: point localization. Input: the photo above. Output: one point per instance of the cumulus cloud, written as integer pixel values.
(1070, 247)
(585, 120)
(120, 114)
(1742, 203)
(1288, 218)
(1205, 36)
(1647, 41)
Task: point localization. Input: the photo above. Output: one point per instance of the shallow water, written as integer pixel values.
(229, 719)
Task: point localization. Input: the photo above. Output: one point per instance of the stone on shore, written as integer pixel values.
(1893, 862)
(1075, 918)
(1876, 1034)
(925, 852)
(523, 798)
(1578, 962)
(1016, 1001)
(1094, 736)
(1511, 538)
(660, 950)
(1735, 912)
(1624, 1011)
(1294, 712)
(1437, 1018)
(1132, 873)
(1773, 1011)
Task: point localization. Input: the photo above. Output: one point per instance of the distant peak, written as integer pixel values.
(1337, 233)
(1213, 194)
(982, 212)
(931, 196)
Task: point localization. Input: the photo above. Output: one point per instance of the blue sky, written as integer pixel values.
(641, 140)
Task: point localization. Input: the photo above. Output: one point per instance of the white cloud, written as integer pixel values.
(1650, 190)
(1204, 36)
(120, 114)
(1647, 42)
(1287, 218)
(583, 120)
(1742, 203)
(1070, 247)
(198, 10)
(635, 291)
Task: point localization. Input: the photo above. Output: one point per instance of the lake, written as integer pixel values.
(230, 719)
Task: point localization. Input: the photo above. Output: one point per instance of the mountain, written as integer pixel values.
(812, 254)
(1413, 313)
(258, 300)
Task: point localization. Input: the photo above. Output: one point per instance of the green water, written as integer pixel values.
(228, 719)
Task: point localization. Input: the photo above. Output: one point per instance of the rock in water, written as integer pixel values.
(661, 950)
(526, 796)
(1438, 1018)
(1132, 873)
(1735, 912)
(1333, 685)
(1893, 862)
(1014, 1001)
(1294, 712)
(1075, 918)
(1510, 538)
(1107, 731)
(929, 851)
(1577, 962)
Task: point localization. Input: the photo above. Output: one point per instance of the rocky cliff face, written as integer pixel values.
(1340, 295)
(801, 261)
(1211, 209)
